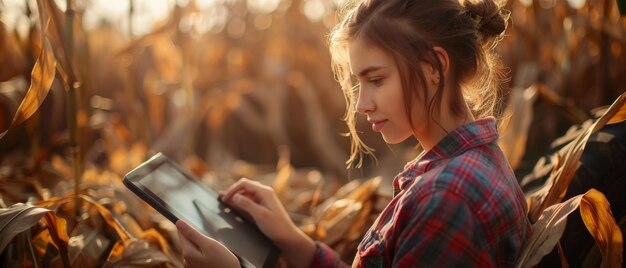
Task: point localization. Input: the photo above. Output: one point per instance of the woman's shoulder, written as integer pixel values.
(488, 191)
(474, 174)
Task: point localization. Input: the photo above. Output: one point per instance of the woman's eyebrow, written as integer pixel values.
(368, 70)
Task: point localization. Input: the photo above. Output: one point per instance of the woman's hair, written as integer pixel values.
(407, 30)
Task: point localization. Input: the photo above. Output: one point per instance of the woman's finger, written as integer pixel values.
(244, 185)
(196, 237)
(239, 186)
(247, 205)
(200, 250)
(190, 249)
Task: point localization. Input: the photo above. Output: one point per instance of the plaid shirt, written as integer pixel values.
(456, 205)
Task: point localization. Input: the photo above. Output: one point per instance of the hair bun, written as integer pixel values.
(488, 17)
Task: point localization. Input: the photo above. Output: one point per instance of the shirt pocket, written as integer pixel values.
(371, 249)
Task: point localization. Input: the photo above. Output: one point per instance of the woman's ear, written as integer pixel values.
(444, 60)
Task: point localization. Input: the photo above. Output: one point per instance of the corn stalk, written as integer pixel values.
(72, 85)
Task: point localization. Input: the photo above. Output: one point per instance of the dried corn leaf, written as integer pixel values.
(620, 116)
(547, 231)
(131, 225)
(301, 202)
(342, 192)
(42, 77)
(58, 232)
(316, 177)
(42, 241)
(16, 219)
(49, 11)
(573, 132)
(281, 183)
(135, 253)
(347, 188)
(563, 173)
(151, 234)
(104, 212)
(596, 213)
(87, 245)
(58, 227)
(154, 236)
(361, 222)
(128, 252)
(345, 215)
(335, 210)
(366, 190)
(336, 224)
(515, 133)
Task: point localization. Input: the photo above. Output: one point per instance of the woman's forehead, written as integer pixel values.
(364, 56)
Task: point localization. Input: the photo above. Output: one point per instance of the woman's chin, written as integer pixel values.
(393, 140)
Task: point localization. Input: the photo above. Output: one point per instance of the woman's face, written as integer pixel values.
(380, 93)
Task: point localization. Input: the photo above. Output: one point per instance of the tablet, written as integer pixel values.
(165, 186)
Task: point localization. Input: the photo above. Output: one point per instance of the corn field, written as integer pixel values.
(234, 88)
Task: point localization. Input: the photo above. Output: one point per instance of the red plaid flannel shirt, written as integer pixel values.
(457, 205)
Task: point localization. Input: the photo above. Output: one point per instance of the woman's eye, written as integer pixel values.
(376, 81)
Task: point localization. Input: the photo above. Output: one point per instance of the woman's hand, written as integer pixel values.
(202, 251)
(263, 206)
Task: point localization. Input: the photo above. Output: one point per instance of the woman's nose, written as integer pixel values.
(364, 103)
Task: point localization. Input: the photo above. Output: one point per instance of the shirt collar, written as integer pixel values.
(480, 132)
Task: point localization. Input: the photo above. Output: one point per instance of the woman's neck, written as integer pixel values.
(443, 124)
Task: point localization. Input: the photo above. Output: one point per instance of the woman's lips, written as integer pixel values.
(378, 125)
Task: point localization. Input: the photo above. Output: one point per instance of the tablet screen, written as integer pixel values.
(193, 202)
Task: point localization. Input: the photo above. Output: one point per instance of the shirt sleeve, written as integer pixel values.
(326, 257)
(442, 231)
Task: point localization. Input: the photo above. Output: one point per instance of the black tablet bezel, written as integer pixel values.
(131, 181)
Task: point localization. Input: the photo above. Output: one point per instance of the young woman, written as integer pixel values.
(426, 69)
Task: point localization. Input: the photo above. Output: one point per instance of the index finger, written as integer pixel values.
(243, 186)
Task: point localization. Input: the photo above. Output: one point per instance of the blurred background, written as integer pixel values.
(230, 81)
(243, 88)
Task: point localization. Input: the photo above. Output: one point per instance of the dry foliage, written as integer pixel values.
(596, 213)
(563, 172)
